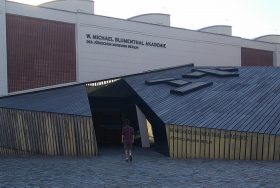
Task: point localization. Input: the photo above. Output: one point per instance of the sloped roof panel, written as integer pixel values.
(245, 103)
(67, 100)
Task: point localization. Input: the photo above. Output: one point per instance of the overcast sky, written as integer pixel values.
(248, 18)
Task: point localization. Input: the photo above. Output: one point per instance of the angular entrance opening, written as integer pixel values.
(111, 104)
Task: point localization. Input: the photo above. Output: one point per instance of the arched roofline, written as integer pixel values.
(213, 26)
(266, 38)
(148, 14)
(270, 35)
(53, 1)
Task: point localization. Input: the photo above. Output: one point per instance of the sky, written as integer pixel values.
(248, 18)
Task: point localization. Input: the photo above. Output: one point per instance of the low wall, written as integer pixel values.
(29, 132)
(190, 142)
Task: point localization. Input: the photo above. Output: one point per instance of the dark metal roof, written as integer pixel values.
(177, 83)
(158, 80)
(194, 74)
(67, 100)
(250, 102)
(218, 73)
(193, 86)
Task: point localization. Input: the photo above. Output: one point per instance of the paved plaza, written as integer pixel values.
(148, 169)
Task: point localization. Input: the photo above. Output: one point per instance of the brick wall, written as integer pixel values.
(255, 57)
(39, 53)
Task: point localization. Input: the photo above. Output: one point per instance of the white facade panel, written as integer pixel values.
(276, 56)
(217, 55)
(171, 32)
(3, 51)
(97, 62)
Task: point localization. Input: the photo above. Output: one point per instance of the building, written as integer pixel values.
(209, 113)
(68, 77)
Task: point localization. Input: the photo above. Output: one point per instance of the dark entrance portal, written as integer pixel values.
(110, 106)
(108, 115)
(108, 127)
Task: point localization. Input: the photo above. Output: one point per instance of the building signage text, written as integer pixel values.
(120, 42)
(226, 135)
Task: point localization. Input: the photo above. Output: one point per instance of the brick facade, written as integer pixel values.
(40, 53)
(255, 57)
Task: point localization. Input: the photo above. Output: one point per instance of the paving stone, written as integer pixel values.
(148, 169)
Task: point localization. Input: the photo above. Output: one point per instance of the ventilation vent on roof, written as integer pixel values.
(218, 72)
(194, 74)
(158, 81)
(190, 88)
(178, 82)
(228, 69)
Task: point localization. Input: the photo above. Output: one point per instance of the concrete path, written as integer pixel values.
(148, 169)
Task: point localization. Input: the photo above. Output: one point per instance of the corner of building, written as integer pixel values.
(3, 50)
(276, 56)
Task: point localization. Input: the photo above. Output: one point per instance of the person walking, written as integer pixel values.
(127, 140)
